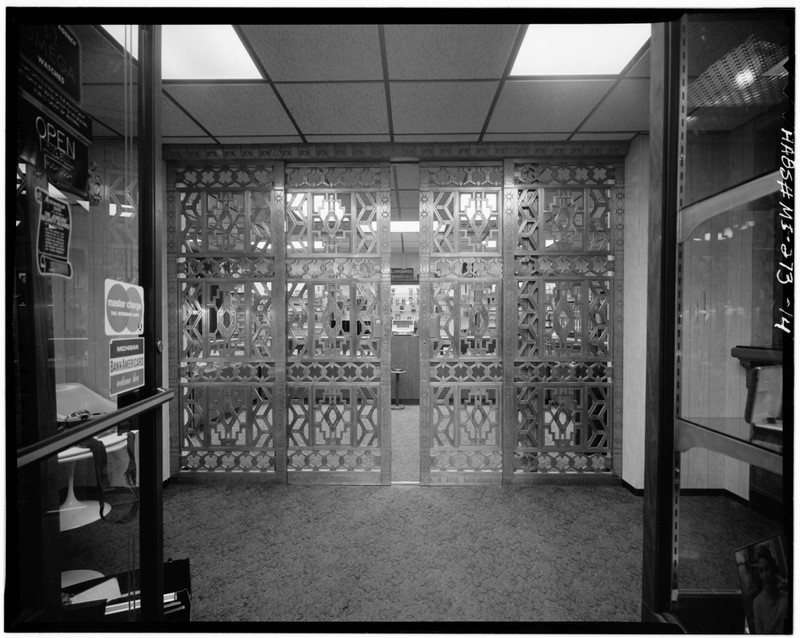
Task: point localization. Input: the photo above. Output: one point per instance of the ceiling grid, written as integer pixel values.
(390, 83)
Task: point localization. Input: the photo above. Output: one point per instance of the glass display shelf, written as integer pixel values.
(733, 437)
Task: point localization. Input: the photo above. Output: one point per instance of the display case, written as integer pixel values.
(718, 424)
(405, 309)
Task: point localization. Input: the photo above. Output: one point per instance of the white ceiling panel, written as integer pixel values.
(627, 108)
(602, 137)
(101, 61)
(440, 51)
(329, 88)
(525, 137)
(168, 139)
(440, 107)
(433, 137)
(345, 108)
(176, 122)
(233, 109)
(300, 53)
(98, 131)
(106, 103)
(642, 67)
(347, 138)
(260, 139)
(534, 106)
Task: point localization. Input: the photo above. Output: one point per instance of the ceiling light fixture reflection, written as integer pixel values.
(744, 78)
(567, 49)
(404, 227)
(196, 52)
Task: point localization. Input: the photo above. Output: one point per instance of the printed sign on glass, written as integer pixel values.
(126, 365)
(52, 147)
(41, 93)
(55, 51)
(53, 236)
(124, 308)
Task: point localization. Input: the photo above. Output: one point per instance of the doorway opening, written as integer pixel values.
(405, 312)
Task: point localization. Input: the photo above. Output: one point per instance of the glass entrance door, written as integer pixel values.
(85, 328)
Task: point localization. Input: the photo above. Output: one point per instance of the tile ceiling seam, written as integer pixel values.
(386, 88)
(189, 115)
(523, 28)
(633, 61)
(263, 71)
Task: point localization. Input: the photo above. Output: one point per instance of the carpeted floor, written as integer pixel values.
(547, 553)
(407, 553)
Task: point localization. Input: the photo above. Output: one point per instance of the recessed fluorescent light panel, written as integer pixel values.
(197, 52)
(404, 227)
(579, 49)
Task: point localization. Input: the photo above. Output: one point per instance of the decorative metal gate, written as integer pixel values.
(338, 283)
(284, 314)
(225, 241)
(567, 263)
(461, 374)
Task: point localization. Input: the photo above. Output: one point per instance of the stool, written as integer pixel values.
(397, 372)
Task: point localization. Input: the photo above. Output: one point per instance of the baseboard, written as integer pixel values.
(636, 491)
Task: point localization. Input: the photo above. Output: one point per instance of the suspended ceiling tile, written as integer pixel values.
(101, 61)
(346, 108)
(107, 104)
(259, 139)
(187, 140)
(295, 53)
(433, 137)
(440, 107)
(174, 122)
(602, 137)
(525, 137)
(642, 67)
(627, 108)
(98, 131)
(233, 109)
(347, 138)
(448, 51)
(545, 106)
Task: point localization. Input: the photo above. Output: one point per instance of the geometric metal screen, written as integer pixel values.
(461, 350)
(567, 278)
(338, 324)
(282, 328)
(228, 341)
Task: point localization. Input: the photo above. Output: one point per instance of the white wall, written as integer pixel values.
(637, 182)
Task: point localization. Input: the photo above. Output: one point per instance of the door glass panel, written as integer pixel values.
(79, 306)
(82, 240)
